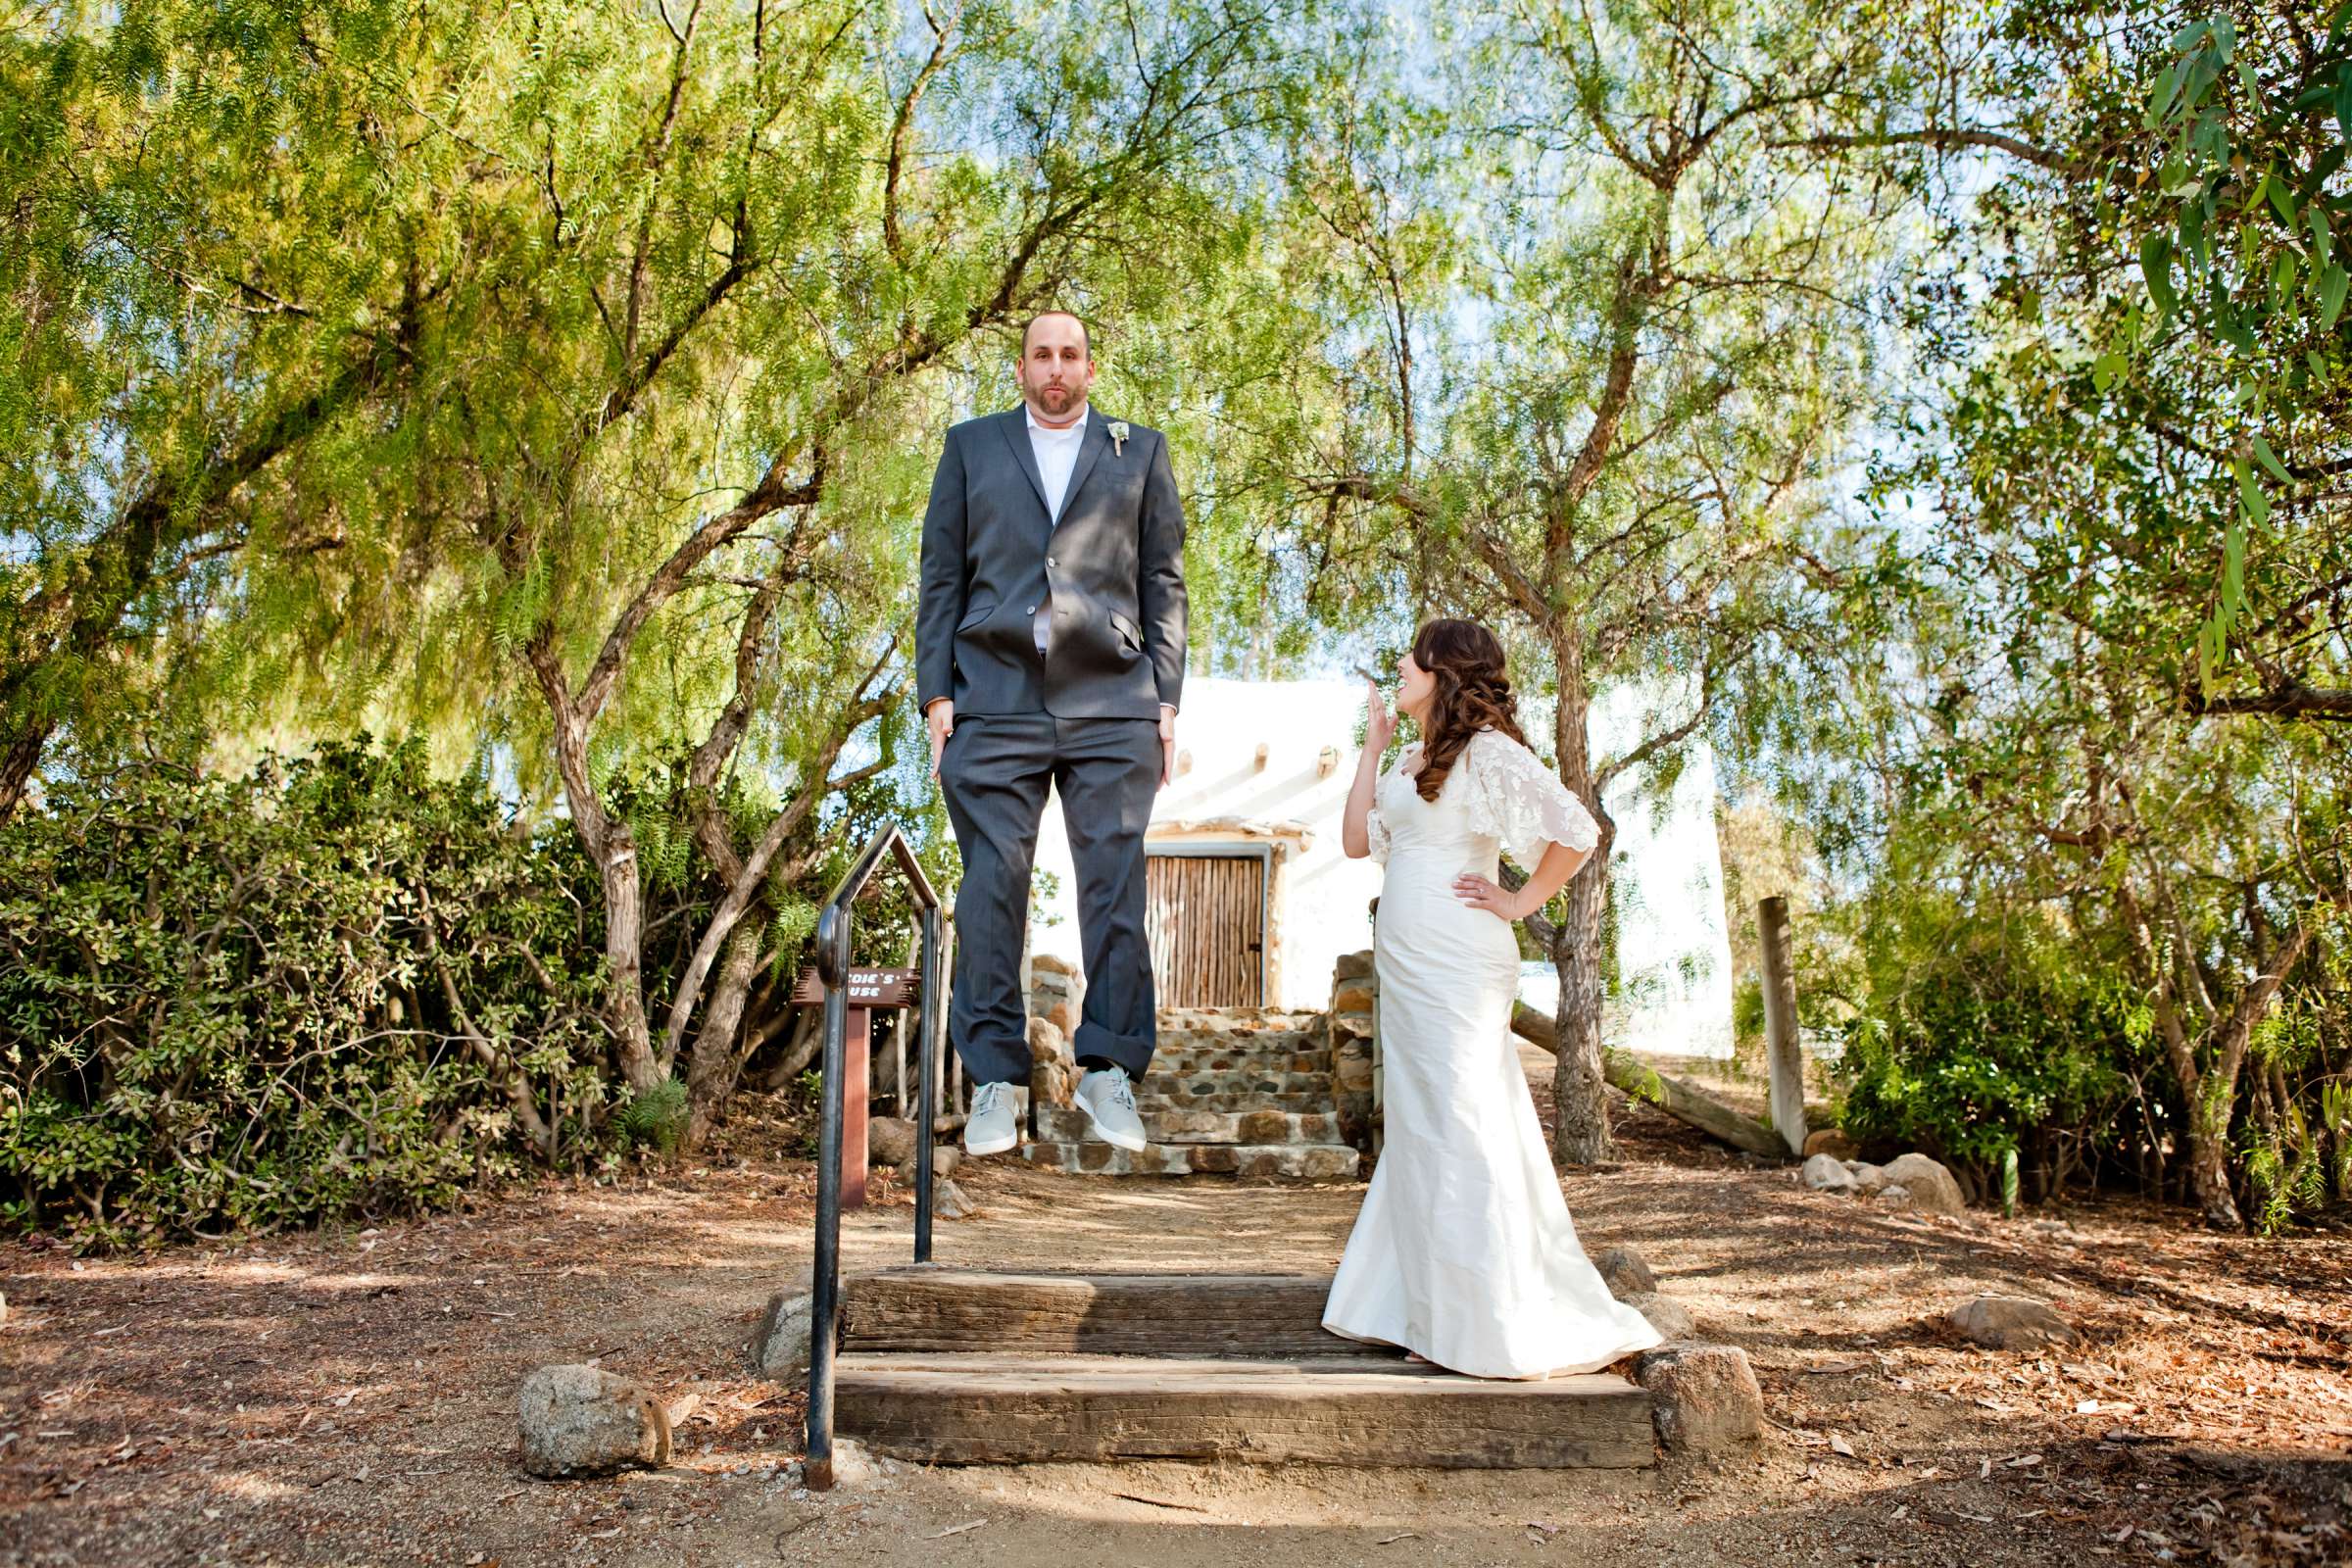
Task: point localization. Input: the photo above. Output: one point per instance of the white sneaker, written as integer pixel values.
(1108, 1100)
(995, 1124)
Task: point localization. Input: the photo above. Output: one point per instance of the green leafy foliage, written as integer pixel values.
(304, 994)
(1986, 1040)
(655, 1118)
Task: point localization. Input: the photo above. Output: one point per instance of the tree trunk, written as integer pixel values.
(20, 755)
(1579, 1082)
(2210, 1092)
(717, 1061)
(624, 984)
(807, 1035)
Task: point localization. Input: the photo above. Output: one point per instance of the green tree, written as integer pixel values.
(1626, 470)
(639, 327)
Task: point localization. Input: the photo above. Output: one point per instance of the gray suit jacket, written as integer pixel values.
(1114, 563)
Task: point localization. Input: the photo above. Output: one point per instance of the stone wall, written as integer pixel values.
(1056, 993)
(1353, 990)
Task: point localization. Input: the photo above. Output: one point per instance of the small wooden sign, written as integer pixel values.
(867, 987)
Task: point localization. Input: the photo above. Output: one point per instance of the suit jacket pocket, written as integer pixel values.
(1127, 629)
(974, 616)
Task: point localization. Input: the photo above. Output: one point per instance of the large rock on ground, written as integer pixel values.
(1670, 1317)
(2011, 1323)
(1932, 1188)
(1831, 1142)
(1704, 1397)
(948, 1202)
(780, 1345)
(889, 1140)
(1625, 1271)
(1824, 1174)
(585, 1421)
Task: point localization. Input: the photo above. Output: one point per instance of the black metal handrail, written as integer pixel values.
(833, 969)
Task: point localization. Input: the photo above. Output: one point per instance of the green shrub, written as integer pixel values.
(656, 1118)
(1982, 1037)
(313, 992)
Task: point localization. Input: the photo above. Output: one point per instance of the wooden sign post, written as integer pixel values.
(867, 990)
(1784, 1048)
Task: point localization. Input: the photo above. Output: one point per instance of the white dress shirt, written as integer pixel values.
(1057, 453)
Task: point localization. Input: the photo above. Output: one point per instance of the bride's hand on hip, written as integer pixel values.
(1483, 893)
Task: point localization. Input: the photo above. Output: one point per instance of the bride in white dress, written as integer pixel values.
(1464, 1252)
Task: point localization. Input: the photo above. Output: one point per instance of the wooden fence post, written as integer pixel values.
(1782, 1049)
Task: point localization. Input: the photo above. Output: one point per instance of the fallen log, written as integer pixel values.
(1682, 1100)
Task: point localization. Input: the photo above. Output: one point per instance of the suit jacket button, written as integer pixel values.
(1030, 611)
(1051, 562)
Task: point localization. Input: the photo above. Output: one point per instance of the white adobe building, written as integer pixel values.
(1252, 902)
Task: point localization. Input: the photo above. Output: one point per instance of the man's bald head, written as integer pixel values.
(1086, 342)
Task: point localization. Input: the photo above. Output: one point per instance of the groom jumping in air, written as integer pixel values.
(1048, 647)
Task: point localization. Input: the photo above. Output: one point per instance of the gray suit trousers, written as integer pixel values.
(993, 775)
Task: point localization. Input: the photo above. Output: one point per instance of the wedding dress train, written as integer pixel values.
(1464, 1250)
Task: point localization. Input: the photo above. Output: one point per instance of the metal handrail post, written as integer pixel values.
(833, 968)
(927, 1081)
(824, 1295)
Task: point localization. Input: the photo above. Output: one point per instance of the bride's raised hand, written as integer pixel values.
(1379, 723)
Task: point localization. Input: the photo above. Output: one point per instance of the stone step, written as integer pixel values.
(1235, 1081)
(1271, 1040)
(1238, 1020)
(1068, 1125)
(1318, 1163)
(941, 1407)
(1193, 1058)
(1308, 1100)
(938, 1306)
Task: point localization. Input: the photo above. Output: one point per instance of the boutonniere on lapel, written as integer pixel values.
(1118, 437)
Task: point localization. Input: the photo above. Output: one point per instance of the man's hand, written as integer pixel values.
(942, 718)
(1167, 745)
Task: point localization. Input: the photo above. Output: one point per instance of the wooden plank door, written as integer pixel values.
(1203, 916)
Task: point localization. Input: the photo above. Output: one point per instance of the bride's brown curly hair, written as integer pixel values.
(1466, 662)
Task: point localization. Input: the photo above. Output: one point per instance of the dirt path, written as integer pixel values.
(348, 1399)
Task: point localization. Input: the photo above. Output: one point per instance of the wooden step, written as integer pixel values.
(1068, 1125)
(934, 1306)
(1314, 1162)
(986, 1408)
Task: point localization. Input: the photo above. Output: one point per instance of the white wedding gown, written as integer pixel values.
(1464, 1250)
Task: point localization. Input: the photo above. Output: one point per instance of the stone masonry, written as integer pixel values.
(1354, 987)
(1232, 1091)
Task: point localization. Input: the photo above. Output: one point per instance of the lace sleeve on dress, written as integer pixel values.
(1515, 798)
(1376, 829)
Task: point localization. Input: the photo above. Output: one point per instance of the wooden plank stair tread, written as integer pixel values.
(980, 1407)
(933, 1307)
